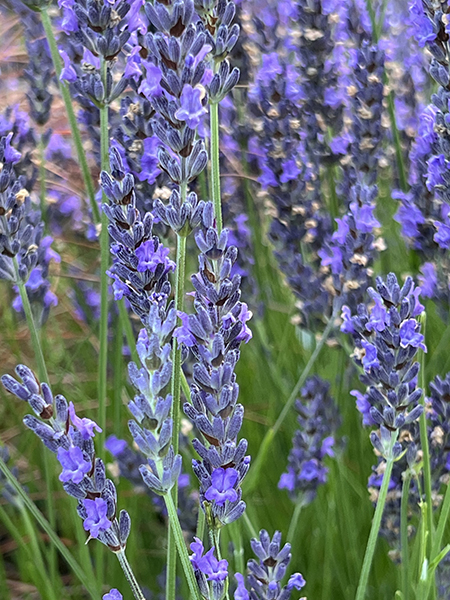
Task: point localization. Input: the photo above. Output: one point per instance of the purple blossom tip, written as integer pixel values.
(222, 486)
(96, 521)
(85, 426)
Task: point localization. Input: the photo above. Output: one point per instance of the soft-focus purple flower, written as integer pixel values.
(347, 325)
(96, 521)
(73, 464)
(363, 405)
(245, 315)
(311, 469)
(113, 595)
(149, 160)
(149, 260)
(183, 333)
(436, 165)
(191, 108)
(377, 320)
(364, 219)
(342, 231)
(370, 359)
(442, 235)
(150, 86)
(267, 178)
(241, 591)
(222, 486)
(327, 448)
(409, 336)
(290, 171)
(296, 581)
(428, 280)
(208, 564)
(115, 445)
(287, 480)
(270, 68)
(58, 145)
(85, 426)
(68, 72)
(11, 155)
(331, 257)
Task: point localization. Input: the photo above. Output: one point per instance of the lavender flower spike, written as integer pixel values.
(387, 338)
(70, 438)
(265, 574)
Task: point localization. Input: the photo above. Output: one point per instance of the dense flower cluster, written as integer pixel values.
(387, 338)
(318, 421)
(266, 572)
(214, 335)
(83, 475)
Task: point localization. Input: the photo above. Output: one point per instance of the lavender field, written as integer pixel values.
(225, 300)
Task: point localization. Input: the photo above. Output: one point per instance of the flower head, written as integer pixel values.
(73, 464)
(191, 110)
(85, 426)
(215, 570)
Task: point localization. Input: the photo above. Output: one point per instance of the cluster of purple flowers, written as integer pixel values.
(83, 475)
(265, 574)
(318, 421)
(387, 338)
(25, 254)
(214, 335)
(140, 273)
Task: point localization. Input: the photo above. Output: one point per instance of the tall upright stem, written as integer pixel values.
(104, 261)
(215, 165)
(375, 529)
(176, 409)
(181, 547)
(128, 572)
(404, 536)
(65, 93)
(42, 175)
(43, 376)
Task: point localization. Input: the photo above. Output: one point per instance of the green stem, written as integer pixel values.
(128, 330)
(404, 536)
(249, 525)
(128, 572)
(104, 260)
(43, 377)
(181, 547)
(375, 529)
(397, 142)
(200, 529)
(73, 564)
(118, 375)
(65, 93)
(215, 164)
(103, 325)
(38, 354)
(252, 479)
(294, 521)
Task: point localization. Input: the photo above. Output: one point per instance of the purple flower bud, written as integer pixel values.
(191, 110)
(84, 426)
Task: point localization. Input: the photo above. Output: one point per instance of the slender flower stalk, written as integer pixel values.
(65, 93)
(376, 522)
(215, 163)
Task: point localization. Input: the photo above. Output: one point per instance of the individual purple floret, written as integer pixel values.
(387, 338)
(314, 440)
(214, 334)
(70, 438)
(266, 572)
(211, 574)
(113, 595)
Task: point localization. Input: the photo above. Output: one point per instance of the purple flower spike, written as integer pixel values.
(222, 486)
(85, 426)
(191, 109)
(96, 521)
(73, 464)
(11, 154)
